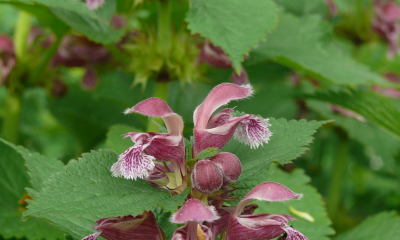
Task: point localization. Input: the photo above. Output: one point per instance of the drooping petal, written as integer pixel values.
(194, 210)
(90, 78)
(213, 56)
(253, 131)
(293, 234)
(94, 4)
(267, 229)
(92, 236)
(220, 225)
(133, 163)
(268, 191)
(155, 107)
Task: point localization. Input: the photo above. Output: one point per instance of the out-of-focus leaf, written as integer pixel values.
(311, 203)
(385, 225)
(289, 141)
(304, 7)
(87, 191)
(115, 139)
(299, 43)
(14, 179)
(223, 23)
(376, 108)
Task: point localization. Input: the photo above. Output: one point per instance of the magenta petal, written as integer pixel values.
(230, 166)
(213, 56)
(191, 231)
(220, 95)
(293, 234)
(253, 131)
(220, 118)
(133, 163)
(194, 210)
(207, 177)
(94, 4)
(241, 78)
(92, 236)
(90, 78)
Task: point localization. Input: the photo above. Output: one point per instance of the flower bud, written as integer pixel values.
(230, 166)
(206, 177)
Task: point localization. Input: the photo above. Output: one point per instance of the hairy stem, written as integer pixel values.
(22, 30)
(336, 181)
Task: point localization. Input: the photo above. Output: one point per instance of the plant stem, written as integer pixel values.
(160, 91)
(118, 54)
(22, 30)
(45, 62)
(10, 127)
(164, 26)
(336, 181)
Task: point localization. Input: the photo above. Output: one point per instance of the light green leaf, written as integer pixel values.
(172, 204)
(207, 153)
(289, 141)
(13, 182)
(385, 225)
(299, 43)
(310, 211)
(115, 139)
(376, 108)
(235, 25)
(87, 191)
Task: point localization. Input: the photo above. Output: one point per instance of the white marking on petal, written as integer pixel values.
(293, 234)
(253, 131)
(133, 164)
(92, 236)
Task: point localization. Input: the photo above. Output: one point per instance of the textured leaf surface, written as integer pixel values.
(379, 144)
(381, 226)
(235, 25)
(116, 141)
(13, 182)
(172, 204)
(376, 108)
(86, 191)
(289, 141)
(299, 43)
(311, 203)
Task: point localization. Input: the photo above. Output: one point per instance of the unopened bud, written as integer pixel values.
(206, 177)
(230, 166)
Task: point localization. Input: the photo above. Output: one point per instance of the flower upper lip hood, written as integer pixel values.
(159, 146)
(263, 226)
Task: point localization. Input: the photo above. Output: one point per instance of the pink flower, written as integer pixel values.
(246, 226)
(385, 23)
(7, 57)
(193, 213)
(94, 4)
(215, 131)
(163, 147)
(332, 7)
(140, 227)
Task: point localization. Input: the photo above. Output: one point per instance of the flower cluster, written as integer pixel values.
(161, 159)
(385, 23)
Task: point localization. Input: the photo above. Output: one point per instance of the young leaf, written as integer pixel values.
(207, 153)
(298, 43)
(288, 141)
(310, 211)
(87, 191)
(223, 23)
(385, 225)
(14, 180)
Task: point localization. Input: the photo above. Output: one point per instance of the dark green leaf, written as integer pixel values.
(172, 204)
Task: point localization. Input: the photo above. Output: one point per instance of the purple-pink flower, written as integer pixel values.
(244, 226)
(140, 227)
(94, 4)
(7, 57)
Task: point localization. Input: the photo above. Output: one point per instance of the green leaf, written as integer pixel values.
(163, 220)
(13, 182)
(235, 25)
(172, 204)
(376, 108)
(385, 225)
(289, 141)
(299, 43)
(304, 7)
(311, 203)
(87, 191)
(207, 153)
(380, 146)
(115, 139)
